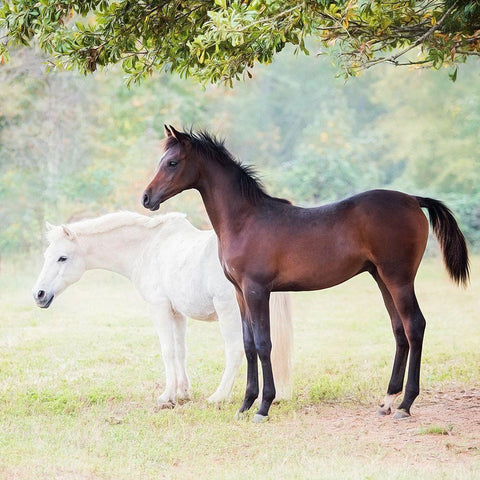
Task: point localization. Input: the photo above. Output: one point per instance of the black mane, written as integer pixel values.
(209, 146)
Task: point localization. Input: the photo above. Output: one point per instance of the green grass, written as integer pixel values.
(436, 430)
(78, 384)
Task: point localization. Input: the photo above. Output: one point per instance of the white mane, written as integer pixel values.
(112, 221)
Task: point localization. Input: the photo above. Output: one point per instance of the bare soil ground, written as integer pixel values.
(444, 428)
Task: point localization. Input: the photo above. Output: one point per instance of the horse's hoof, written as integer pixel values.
(168, 405)
(382, 411)
(216, 405)
(257, 418)
(239, 416)
(216, 399)
(401, 414)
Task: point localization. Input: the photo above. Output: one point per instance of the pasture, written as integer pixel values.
(78, 384)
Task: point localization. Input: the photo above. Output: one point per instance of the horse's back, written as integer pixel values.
(189, 271)
(339, 240)
(372, 216)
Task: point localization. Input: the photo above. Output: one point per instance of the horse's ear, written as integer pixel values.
(179, 136)
(49, 226)
(68, 233)
(167, 131)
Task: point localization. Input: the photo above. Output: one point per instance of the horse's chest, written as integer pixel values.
(241, 260)
(230, 270)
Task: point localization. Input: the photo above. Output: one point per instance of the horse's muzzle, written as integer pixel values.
(148, 201)
(42, 299)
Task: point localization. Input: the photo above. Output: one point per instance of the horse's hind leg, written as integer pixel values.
(414, 324)
(406, 304)
(231, 329)
(395, 385)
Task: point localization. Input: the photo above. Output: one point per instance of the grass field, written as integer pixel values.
(78, 384)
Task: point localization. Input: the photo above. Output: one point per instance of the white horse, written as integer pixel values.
(176, 269)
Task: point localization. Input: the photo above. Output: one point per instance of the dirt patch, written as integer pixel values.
(444, 427)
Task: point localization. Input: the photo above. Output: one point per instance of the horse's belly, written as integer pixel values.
(319, 275)
(197, 308)
(212, 317)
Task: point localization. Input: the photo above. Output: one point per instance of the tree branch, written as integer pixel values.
(427, 34)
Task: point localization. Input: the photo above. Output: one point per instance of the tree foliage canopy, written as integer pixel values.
(219, 40)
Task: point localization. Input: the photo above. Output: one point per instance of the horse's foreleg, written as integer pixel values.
(183, 382)
(231, 329)
(163, 321)
(257, 300)
(251, 390)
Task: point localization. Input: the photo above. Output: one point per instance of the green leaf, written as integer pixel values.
(453, 75)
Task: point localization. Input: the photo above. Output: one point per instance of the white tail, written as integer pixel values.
(281, 331)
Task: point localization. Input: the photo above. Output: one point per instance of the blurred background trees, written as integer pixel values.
(74, 146)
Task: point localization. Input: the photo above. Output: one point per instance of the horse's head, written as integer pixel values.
(64, 264)
(177, 170)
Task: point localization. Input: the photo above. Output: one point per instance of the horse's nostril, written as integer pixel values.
(146, 199)
(40, 294)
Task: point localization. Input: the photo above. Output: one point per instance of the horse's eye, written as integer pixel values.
(62, 259)
(172, 163)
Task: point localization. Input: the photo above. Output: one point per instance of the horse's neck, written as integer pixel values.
(226, 207)
(117, 250)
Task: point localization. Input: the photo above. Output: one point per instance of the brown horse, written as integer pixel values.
(267, 244)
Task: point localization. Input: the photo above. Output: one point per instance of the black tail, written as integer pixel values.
(450, 237)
